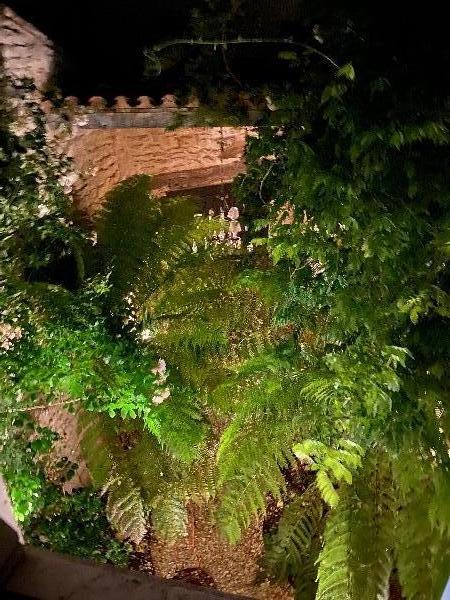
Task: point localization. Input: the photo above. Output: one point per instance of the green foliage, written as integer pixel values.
(75, 524)
(18, 464)
(257, 444)
(350, 564)
(121, 474)
(334, 571)
(329, 342)
(140, 478)
(331, 464)
(179, 279)
(422, 535)
(363, 257)
(291, 552)
(188, 300)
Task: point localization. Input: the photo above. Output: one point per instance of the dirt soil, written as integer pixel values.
(233, 569)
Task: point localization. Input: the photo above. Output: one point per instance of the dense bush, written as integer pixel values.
(76, 524)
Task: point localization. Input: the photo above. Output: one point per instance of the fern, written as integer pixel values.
(351, 565)
(179, 425)
(422, 553)
(422, 547)
(111, 472)
(257, 444)
(132, 477)
(334, 567)
(373, 514)
(291, 552)
(159, 234)
(180, 285)
(246, 478)
(169, 516)
(337, 462)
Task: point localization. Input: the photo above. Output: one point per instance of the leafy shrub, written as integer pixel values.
(76, 524)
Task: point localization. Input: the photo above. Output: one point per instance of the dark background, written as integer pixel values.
(100, 44)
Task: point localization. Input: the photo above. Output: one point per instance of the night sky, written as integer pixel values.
(100, 44)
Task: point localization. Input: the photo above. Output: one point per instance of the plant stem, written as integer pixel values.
(225, 43)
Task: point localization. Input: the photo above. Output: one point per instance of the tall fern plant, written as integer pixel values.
(180, 290)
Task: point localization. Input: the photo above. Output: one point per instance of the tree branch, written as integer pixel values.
(239, 40)
(39, 407)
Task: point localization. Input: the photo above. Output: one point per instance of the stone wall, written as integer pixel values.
(182, 159)
(110, 144)
(24, 50)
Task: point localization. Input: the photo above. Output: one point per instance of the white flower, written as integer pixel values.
(146, 334)
(221, 235)
(9, 335)
(93, 238)
(67, 181)
(160, 371)
(233, 213)
(194, 248)
(250, 247)
(234, 229)
(161, 396)
(161, 365)
(43, 211)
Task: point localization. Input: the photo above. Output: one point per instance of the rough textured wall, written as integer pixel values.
(24, 50)
(109, 145)
(182, 159)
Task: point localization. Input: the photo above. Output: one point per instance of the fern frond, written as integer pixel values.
(169, 515)
(269, 416)
(159, 236)
(422, 545)
(110, 472)
(334, 574)
(131, 467)
(422, 553)
(249, 468)
(326, 487)
(373, 514)
(336, 463)
(179, 425)
(351, 564)
(291, 552)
